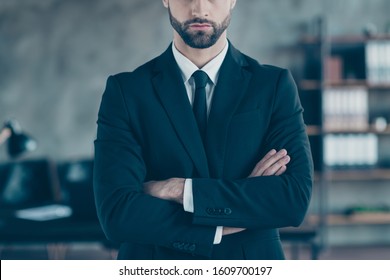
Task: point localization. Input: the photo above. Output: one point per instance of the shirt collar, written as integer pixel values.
(187, 67)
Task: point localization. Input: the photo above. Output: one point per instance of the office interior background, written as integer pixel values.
(55, 57)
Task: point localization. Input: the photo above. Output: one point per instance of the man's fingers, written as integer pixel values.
(258, 170)
(271, 162)
(274, 168)
(273, 159)
(267, 156)
(281, 170)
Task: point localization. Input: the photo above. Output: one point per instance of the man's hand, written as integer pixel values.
(273, 163)
(170, 189)
(231, 230)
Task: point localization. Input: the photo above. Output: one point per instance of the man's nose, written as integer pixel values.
(200, 8)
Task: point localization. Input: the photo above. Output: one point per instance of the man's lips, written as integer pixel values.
(200, 26)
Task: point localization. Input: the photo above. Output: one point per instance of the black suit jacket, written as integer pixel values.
(147, 131)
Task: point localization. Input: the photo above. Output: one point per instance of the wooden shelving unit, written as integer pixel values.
(368, 175)
(317, 85)
(370, 129)
(341, 40)
(366, 219)
(342, 63)
(313, 130)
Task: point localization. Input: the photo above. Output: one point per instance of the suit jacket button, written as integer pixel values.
(192, 248)
(220, 211)
(227, 211)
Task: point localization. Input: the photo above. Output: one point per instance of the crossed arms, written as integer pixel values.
(273, 163)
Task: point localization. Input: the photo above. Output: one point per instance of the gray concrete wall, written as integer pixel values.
(55, 55)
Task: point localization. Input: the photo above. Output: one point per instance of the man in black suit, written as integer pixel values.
(192, 164)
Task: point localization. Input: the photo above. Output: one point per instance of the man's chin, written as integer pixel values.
(200, 44)
(199, 41)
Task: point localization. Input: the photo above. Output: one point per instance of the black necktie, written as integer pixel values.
(200, 106)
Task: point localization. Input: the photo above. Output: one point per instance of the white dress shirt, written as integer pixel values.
(212, 70)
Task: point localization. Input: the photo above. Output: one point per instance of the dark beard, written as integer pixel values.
(199, 39)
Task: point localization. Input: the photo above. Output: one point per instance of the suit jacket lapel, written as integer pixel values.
(232, 83)
(170, 89)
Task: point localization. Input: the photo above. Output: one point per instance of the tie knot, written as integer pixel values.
(200, 78)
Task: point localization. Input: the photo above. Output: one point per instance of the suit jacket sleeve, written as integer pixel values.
(126, 213)
(264, 202)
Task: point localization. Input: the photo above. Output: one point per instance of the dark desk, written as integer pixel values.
(54, 234)
(71, 229)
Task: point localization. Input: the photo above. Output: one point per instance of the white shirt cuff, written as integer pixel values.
(188, 199)
(218, 235)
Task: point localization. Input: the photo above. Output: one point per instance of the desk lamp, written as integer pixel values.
(18, 142)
